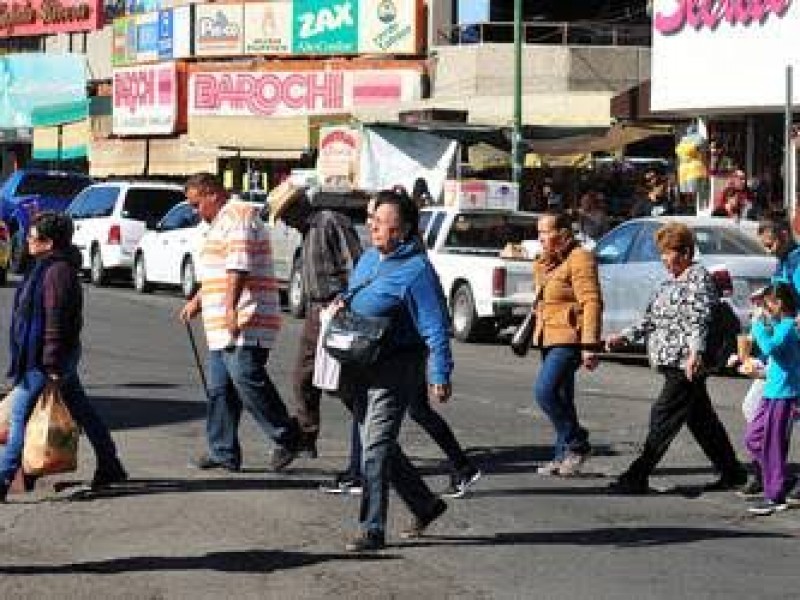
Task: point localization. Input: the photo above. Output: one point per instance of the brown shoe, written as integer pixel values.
(420, 524)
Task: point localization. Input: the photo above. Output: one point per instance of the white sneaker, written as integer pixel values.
(552, 467)
(571, 465)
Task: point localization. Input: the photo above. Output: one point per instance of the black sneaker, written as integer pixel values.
(420, 524)
(109, 475)
(728, 482)
(627, 486)
(366, 541)
(461, 482)
(344, 483)
(281, 458)
(308, 450)
(752, 489)
(204, 462)
(767, 507)
(4, 485)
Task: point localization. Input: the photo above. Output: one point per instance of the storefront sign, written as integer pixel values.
(325, 26)
(123, 41)
(266, 93)
(145, 100)
(268, 27)
(174, 33)
(146, 37)
(729, 56)
(388, 26)
(337, 163)
(219, 29)
(702, 13)
(41, 17)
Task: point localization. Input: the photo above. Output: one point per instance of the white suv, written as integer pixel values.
(110, 219)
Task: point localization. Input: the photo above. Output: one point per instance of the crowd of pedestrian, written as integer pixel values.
(392, 290)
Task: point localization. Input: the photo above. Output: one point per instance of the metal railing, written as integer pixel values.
(585, 33)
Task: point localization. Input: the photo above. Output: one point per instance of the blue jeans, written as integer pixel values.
(380, 398)
(237, 378)
(24, 395)
(555, 392)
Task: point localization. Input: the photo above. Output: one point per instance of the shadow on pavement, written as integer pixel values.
(241, 561)
(519, 459)
(121, 413)
(623, 537)
(76, 490)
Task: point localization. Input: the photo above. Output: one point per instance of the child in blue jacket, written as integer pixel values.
(767, 436)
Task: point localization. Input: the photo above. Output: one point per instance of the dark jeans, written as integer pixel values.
(237, 378)
(421, 411)
(380, 398)
(24, 396)
(306, 396)
(683, 402)
(555, 392)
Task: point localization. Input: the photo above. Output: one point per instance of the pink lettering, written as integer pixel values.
(710, 13)
(205, 97)
(295, 87)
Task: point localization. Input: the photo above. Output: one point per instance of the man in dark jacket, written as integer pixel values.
(330, 250)
(45, 346)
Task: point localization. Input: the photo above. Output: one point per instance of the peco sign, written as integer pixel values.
(286, 94)
(41, 17)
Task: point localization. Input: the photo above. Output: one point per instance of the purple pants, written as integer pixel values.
(767, 440)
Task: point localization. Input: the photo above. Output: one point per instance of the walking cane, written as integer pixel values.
(197, 357)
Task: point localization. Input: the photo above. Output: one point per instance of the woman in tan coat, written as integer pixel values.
(568, 323)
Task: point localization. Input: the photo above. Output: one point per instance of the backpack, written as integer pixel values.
(721, 340)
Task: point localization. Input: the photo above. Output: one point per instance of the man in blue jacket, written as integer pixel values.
(395, 279)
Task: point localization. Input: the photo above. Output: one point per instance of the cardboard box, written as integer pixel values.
(502, 195)
(465, 194)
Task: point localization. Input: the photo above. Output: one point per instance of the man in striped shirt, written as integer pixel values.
(238, 299)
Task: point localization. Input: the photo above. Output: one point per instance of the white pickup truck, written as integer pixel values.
(484, 292)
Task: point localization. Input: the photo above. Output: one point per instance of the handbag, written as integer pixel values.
(327, 369)
(355, 339)
(523, 336)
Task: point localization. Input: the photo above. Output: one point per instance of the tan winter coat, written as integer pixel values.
(570, 308)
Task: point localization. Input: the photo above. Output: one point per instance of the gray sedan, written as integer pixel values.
(631, 269)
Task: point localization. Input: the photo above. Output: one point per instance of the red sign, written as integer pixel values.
(710, 13)
(145, 99)
(40, 17)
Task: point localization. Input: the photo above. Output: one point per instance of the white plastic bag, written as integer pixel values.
(752, 400)
(326, 368)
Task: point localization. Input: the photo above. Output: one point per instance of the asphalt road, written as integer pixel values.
(175, 532)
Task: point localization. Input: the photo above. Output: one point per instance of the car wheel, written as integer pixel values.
(297, 293)
(97, 273)
(140, 282)
(466, 324)
(188, 278)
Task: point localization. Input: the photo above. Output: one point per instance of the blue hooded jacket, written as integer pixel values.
(407, 289)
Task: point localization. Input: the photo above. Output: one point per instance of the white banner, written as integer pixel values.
(298, 93)
(218, 29)
(392, 156)
(716, 57)
(145, 99)
(268, 27)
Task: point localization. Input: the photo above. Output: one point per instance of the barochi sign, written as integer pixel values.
(41, 17)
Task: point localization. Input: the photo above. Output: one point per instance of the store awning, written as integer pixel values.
(64, 142)
(282, 138)
(612, 139)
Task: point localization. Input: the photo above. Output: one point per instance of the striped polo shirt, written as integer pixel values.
(238, 240)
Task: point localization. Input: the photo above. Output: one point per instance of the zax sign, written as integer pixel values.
(326, 19)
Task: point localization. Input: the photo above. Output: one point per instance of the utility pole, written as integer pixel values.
(516, 139)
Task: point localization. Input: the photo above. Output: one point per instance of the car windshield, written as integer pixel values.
(726, 240)
(57, 186)
(150, 205)
(490, 232)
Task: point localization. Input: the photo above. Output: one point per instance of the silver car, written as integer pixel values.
(631, 269)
